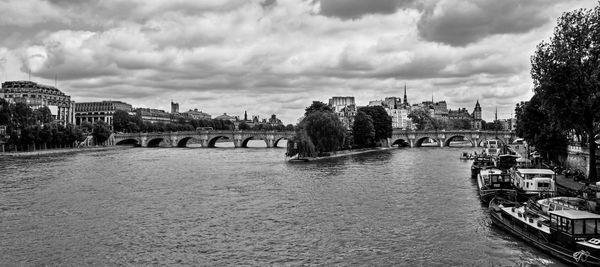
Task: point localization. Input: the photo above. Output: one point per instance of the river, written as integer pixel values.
(226, 206)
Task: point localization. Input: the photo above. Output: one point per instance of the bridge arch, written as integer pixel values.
(213, 141)
(183, 141)
(276, 143)
(247, 139)
(155, 142)
(454, 137)
(419, 141)
(129, 141)
(400, 142)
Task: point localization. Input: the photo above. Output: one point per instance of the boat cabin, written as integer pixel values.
(576, 229)
(495, 178)
(506, 161)
(534, 181)
(480, 162)
(491, 144)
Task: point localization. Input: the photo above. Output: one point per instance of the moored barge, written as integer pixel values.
(570, 235)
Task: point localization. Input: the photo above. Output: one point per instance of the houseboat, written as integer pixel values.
(533, 182)
(570, 235)
(493, 182)
(547, 205)
(506, 161)
(480, 162)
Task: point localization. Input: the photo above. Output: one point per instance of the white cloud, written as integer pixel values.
(236, 55)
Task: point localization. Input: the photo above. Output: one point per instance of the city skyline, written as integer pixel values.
(276, 57)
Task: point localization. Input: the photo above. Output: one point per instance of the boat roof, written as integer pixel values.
(523, 160)
(508, 156)
(576, 214)
(533, 171)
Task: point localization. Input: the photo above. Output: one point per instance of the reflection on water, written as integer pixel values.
(226, 206)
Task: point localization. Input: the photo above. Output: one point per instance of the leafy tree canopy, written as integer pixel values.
(566, 75)
(363, 130)
(317, 106)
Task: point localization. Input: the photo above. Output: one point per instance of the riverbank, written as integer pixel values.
(59, 151)
(343, 153)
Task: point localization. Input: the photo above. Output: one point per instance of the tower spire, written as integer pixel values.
(405, 98)
(496, 114)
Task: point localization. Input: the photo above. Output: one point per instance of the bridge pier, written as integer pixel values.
(412, 142)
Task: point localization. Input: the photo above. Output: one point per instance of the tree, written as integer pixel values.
(120, 120)
(382, 122)
(289, 127)
(317, 106)
(565, 72)
(243, 126)
(536, 127)
(101, 132)
(420, 118)
(460, 124)
(325, 131)
(43, 115)
(363, 130)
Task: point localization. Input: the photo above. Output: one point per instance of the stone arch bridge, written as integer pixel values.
(207, 138)
(444, 137)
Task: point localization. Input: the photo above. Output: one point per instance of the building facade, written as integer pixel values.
(195, 114)
(476, 122)
(99, 111)
(153, 115)
(38, 95)
(345, 108)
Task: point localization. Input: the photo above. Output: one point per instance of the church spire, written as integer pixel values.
(405, 98)
(496, 114)
(245, 115)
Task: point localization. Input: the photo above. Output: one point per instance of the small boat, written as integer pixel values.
(533, 182)
(493, 182)
(480, 162)
(466, 156)
(569, 235)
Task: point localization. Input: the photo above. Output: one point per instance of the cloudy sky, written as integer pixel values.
(276, 56)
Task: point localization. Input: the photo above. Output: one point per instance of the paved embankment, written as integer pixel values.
(348, 153)
(58, 151)
(567, 186)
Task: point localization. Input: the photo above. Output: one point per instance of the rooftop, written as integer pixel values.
(576, 214)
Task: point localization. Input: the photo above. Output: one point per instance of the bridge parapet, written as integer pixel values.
(206, 138)
(443, 137)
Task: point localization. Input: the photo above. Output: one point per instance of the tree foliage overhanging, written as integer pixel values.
(363, 130)
(566, 75)
(29, 129)
(382, 122)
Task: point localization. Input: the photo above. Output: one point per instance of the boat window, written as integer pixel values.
(542, 184)
(494, 179)
(568, 226)
(578, 227)
(590, 226)
(553, 221)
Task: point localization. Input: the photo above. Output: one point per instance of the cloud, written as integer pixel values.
(353, 9)
(459, 23)
(276, 57)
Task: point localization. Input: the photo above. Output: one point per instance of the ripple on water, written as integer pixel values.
(227, 206)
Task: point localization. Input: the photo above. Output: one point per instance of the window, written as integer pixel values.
(590, 226)
(578, 227)
(553, 221)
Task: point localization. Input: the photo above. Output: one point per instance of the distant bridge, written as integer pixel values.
(444, 137)
(207, 138)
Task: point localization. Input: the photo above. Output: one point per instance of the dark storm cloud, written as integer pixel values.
(459, 23)
(352, 9)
